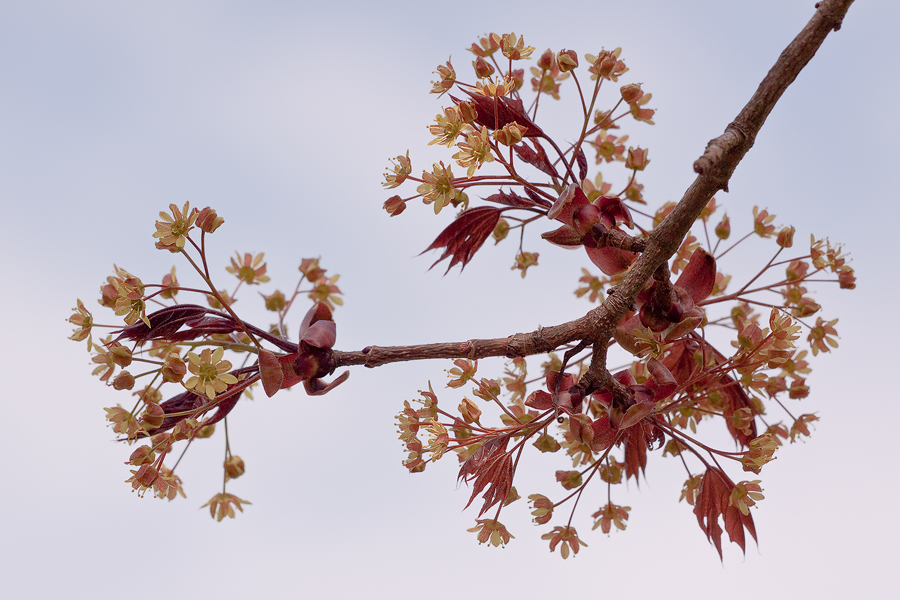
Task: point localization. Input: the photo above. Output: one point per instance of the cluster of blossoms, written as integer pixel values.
(184, 346)
(675, 377)
(694, 349)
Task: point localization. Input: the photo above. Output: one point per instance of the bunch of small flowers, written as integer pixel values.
(184, 346)
(675, 377)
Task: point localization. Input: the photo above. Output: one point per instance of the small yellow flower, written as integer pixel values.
(211, 374)
(326, 291)
(234, 467)
(609, 515)
(173, 229)
(496, 89)
(448, 79)
(438, 187)
(126, 296)
(820, 336)
(449, 126)
(83, 319)
(512, 47)
(223, 505)
(492, 531)
(437, 445)
(744, 495)
(475, 151)
(569, 538)
(511, 134)
(249, 270)
(402, 168)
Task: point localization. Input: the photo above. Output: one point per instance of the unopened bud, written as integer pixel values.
(483, 68)
(545, 62)
(234, 467)
(567, 60)
(785, 237)
(208, 220)
(124, 381)
(723, 229)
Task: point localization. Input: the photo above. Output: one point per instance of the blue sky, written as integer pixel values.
(283, 116)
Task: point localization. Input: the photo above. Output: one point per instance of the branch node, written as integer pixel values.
(371, 361)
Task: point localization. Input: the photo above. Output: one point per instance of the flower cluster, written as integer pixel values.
(676, 376)
(185, 345)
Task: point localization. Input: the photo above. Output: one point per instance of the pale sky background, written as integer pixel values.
(282, 116)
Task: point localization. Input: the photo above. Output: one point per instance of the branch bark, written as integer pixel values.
(714, 169)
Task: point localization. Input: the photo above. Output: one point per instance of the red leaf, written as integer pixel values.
(165, 323)
(494, 113)
(489, 465)
(735, 399)
(514, 200)
(581, 159)
(464, 236)
(712, 502)
(536, 158)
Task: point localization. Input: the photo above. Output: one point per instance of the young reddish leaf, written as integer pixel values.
(581, 160)
(735, 399)
(604, 434)
(537, 198)
(165, 323)
(512, 199)
(489, 465)
(637, 440)
(494, 113)
(464, 236)
(536, 158)
(571, 199)
(712, 502)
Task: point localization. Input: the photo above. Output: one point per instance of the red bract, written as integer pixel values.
(311, 361)
(663, 307)
(587, 223)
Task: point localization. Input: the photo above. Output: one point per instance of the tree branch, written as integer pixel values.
(714, 169)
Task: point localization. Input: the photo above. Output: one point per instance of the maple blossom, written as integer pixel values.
(660, 294)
